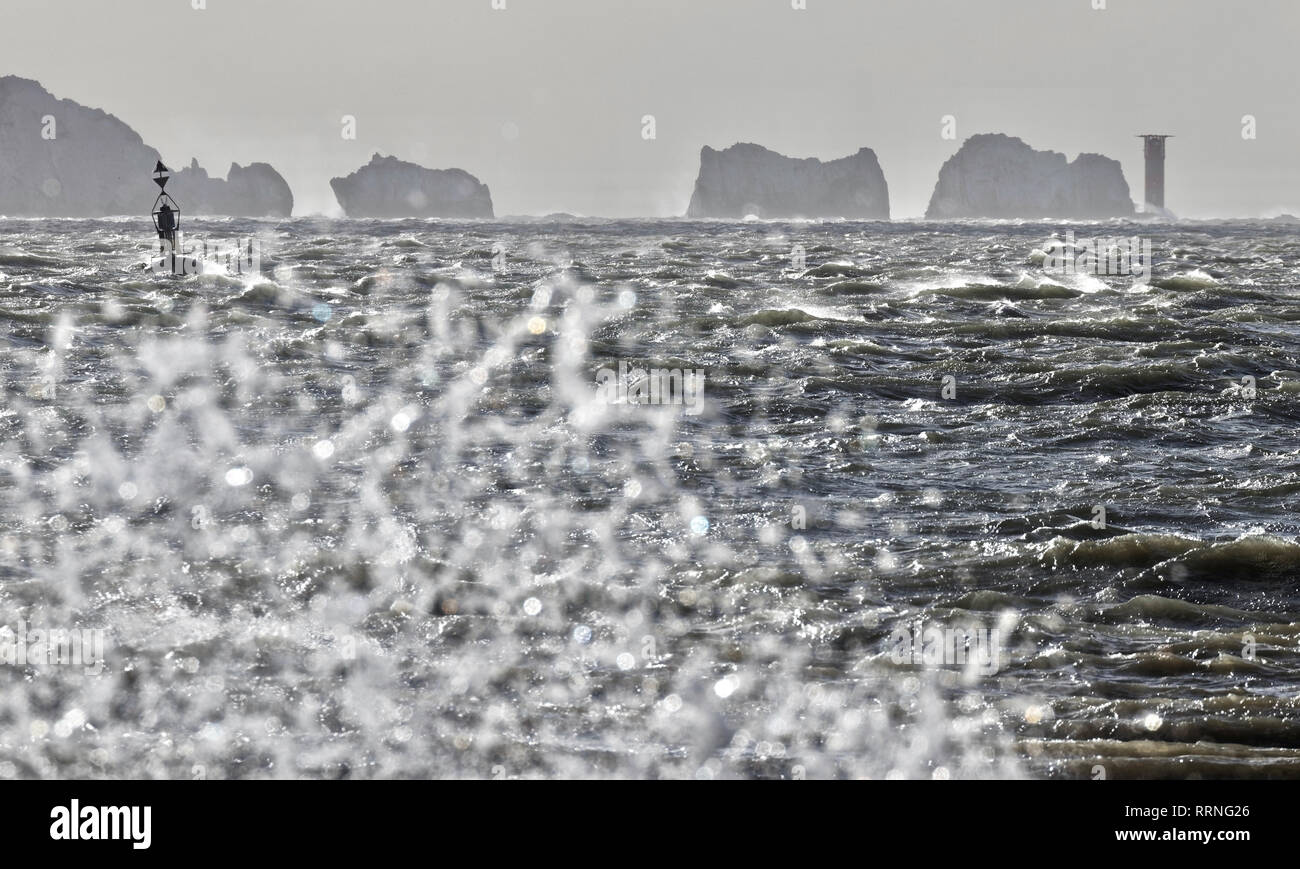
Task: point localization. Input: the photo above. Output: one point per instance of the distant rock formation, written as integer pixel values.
(388, 187)
(253, 191)
(94, 165)
(749, 179)
(999, 176)
(61, 159)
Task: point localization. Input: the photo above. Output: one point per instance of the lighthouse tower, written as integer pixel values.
(1154, 152)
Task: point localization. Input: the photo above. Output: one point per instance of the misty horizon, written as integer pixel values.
(509, 95)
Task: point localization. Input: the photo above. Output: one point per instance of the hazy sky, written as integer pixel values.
(543, 100)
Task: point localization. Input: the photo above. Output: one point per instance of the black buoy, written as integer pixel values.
(167, 221)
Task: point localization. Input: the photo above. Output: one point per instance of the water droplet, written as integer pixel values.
(239, 477)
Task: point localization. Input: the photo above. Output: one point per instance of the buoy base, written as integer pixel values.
(171, 264)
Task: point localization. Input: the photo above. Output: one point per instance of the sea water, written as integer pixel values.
(418, 501)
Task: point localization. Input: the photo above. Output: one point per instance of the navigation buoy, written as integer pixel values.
(167, 223)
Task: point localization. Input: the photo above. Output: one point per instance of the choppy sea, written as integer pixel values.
(913, 500)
